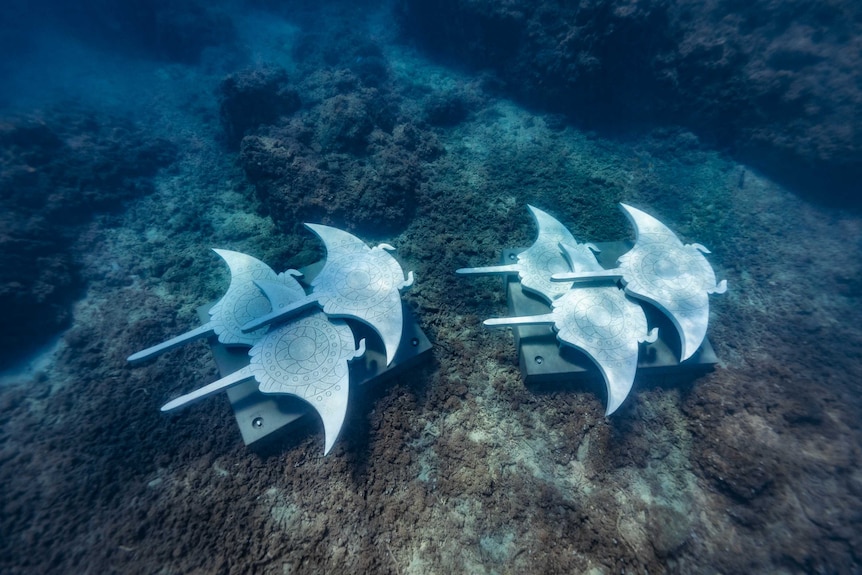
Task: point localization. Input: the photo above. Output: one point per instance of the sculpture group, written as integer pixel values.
(305, 355)
(593, 313)
(297, 350)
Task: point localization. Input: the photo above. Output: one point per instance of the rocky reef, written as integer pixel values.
(56, 170)
(775, 83)
(350, 153)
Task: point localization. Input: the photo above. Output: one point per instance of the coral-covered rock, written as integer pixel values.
(340, 44)
(300, 180)
(776, 82)
(447, 108)
(54, 173)
(344, 122)
(349, 158)
(254, 97)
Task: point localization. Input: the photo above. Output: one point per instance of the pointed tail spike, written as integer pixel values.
(208, 390)
(197, 333)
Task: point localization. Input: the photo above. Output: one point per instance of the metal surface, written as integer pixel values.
(302, 364)
(545, 364)
(604, 324)
(544, 258)
(598, 320)
(308, 359)
(659, 269)
(259, 415)
(304, 358)
(356, 282)
(242, 302)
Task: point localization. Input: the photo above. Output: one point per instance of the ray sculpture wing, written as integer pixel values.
(540, 261)
(659, 269)
(601, 322)
(241, 303)
(356, 282)
(306, 358)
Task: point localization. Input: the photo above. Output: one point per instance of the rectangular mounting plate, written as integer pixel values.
(260, 414)
(544, 362)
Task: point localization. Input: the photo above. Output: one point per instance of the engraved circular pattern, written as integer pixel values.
(301, 349)
(243, 300)
(242, 303)
(667, 271)
(357, 282)
(246, 303)
(538, 264)
(305, 358)
(597, 316)
(601, 321)
(544, 260)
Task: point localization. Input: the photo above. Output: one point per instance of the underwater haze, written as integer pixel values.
(137, 135)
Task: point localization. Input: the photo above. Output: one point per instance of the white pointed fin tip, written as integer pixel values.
(651, 337)
(291, 272)
(720, 288)
(332, 414)
(333, 237)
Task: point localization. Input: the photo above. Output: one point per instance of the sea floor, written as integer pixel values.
(454, 466)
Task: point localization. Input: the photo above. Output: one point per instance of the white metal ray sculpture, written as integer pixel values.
(659, 269)
(540, 261)
(306, 358)
(242, 302)
(356, 282)
(601, 322)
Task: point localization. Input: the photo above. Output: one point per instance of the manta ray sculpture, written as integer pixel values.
(242, 302)
(356, 282)
(659, 269)
(601, 322)
(306, 358)
(540, 261)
